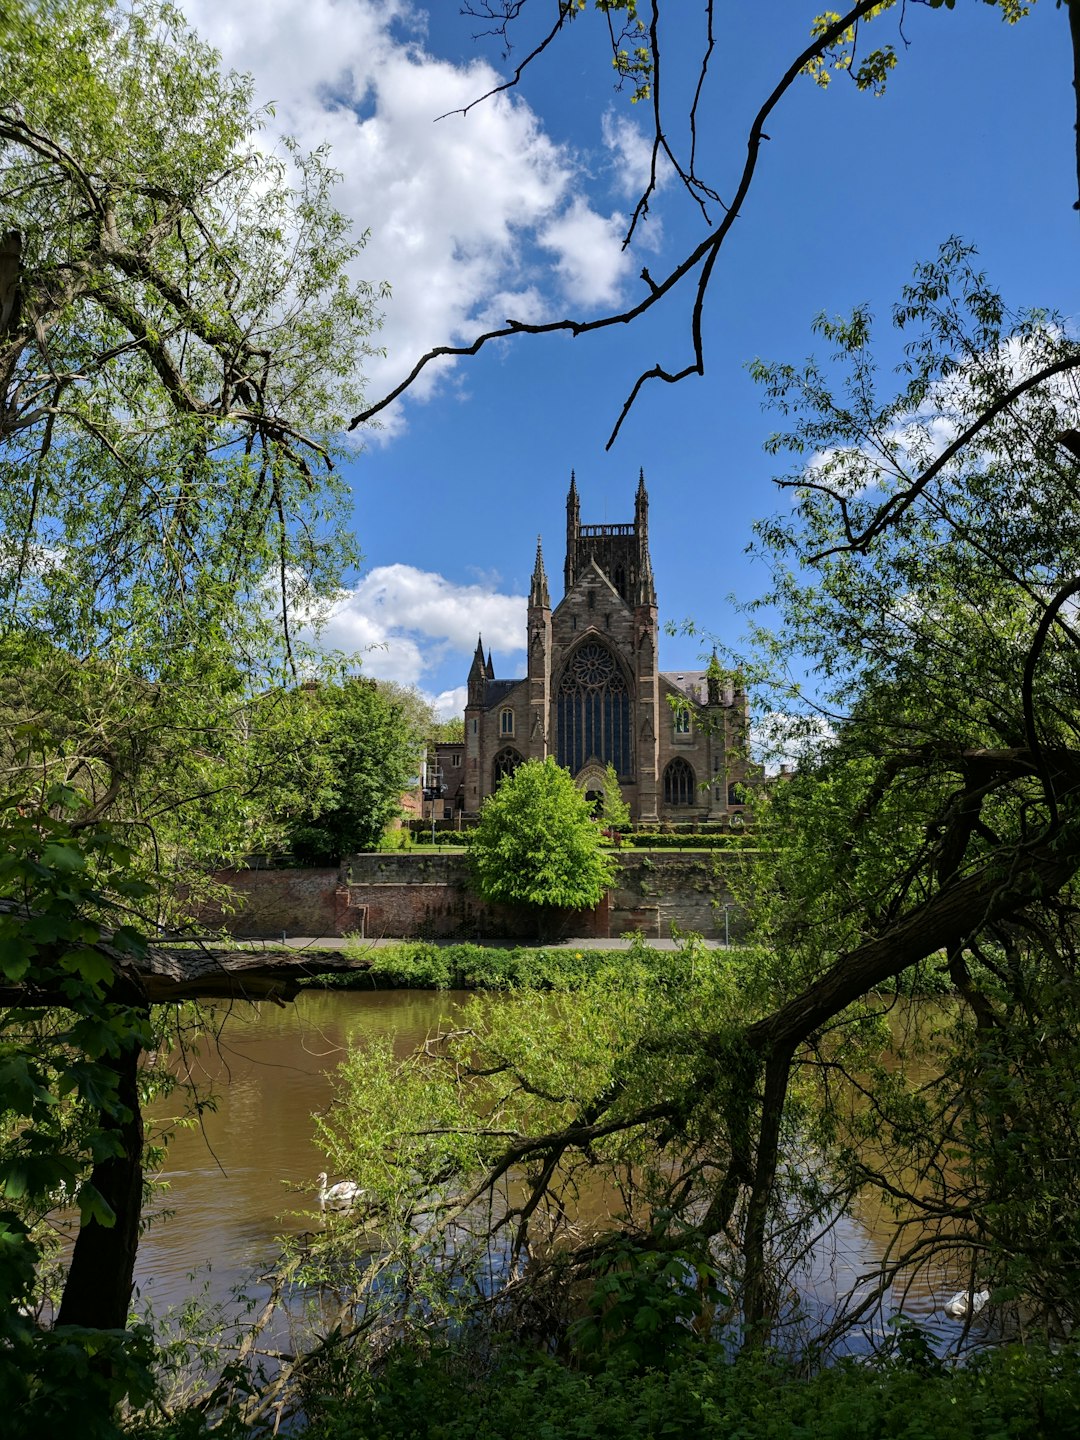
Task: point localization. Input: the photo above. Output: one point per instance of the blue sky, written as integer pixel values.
(517, 210)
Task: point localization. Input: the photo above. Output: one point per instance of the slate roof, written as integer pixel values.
(694, 684)
(498, 690)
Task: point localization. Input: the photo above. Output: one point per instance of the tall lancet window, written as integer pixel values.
(593, 709)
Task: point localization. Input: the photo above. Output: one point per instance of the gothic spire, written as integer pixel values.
(476, 669)
(573, 525)
(641, 503)
(489, 668)
(538, 593)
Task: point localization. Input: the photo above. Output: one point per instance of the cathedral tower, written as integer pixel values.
(593, 696)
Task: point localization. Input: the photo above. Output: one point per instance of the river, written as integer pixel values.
(246, 1174)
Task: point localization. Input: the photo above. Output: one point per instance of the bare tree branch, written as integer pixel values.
(704, 255)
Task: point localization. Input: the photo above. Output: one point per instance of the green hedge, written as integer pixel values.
(661, 840)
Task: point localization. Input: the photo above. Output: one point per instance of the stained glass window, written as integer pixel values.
(679, 783)
(593, 711)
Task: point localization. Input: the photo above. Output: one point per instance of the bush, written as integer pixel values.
(421, 965)
(1010, 1393)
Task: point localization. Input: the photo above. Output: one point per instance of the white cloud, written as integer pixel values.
(631, 155)
(778, 738)
(456, 207)
(449, 703)
(406, 621)
(589, 257)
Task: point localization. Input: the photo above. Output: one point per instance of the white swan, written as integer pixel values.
(340, 1196)
(963, 1303)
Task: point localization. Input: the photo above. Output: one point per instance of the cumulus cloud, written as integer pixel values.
(449, 703)
(589, 257)
(461, 210)
(406, 622)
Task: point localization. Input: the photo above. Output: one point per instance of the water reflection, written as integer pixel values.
(246, 1174)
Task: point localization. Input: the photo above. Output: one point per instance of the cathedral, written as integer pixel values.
(593, 694)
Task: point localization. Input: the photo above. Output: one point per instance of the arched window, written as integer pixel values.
(504, 764)
(679, 783)
(682, 720)
(734, 793)
(506, 722)
(593, 711)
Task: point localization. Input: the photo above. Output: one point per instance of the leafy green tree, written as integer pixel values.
(537, 844)
(614, 811)
(361, 748)
(179, 348)
(180, 340)
(448, 731)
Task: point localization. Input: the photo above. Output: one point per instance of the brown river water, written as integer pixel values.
(247, 1175)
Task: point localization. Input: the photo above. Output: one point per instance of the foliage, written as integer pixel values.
(536, 843)
(183, 348)
(614, 811)
(64, 1109)
(1014, 1393)
(688, 840)
(179, 343)
(448, 731)
(930, 561)
(418, 1134)
(420, 964)
(360, 747)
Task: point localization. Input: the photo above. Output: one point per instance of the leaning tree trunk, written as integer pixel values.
(100, 1279)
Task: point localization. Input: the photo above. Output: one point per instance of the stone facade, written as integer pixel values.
(593, 693)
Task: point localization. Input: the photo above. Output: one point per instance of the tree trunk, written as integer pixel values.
(101, 1275)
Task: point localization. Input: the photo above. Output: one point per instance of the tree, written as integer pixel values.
(179, 343)
(361, 747)
(614, 811)
(536, 843)
(449, 731)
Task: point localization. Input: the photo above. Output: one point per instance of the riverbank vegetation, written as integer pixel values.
(180, 348)
(423, 965)
(734, 1112)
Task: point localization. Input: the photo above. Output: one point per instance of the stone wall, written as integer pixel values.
(427, 896)
(660, 889)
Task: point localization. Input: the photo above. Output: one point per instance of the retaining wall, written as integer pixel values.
(405, 896)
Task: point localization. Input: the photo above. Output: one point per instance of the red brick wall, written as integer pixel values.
(412, 896)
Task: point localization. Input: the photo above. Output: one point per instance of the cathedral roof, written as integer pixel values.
(694, 684)
(498, 690)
